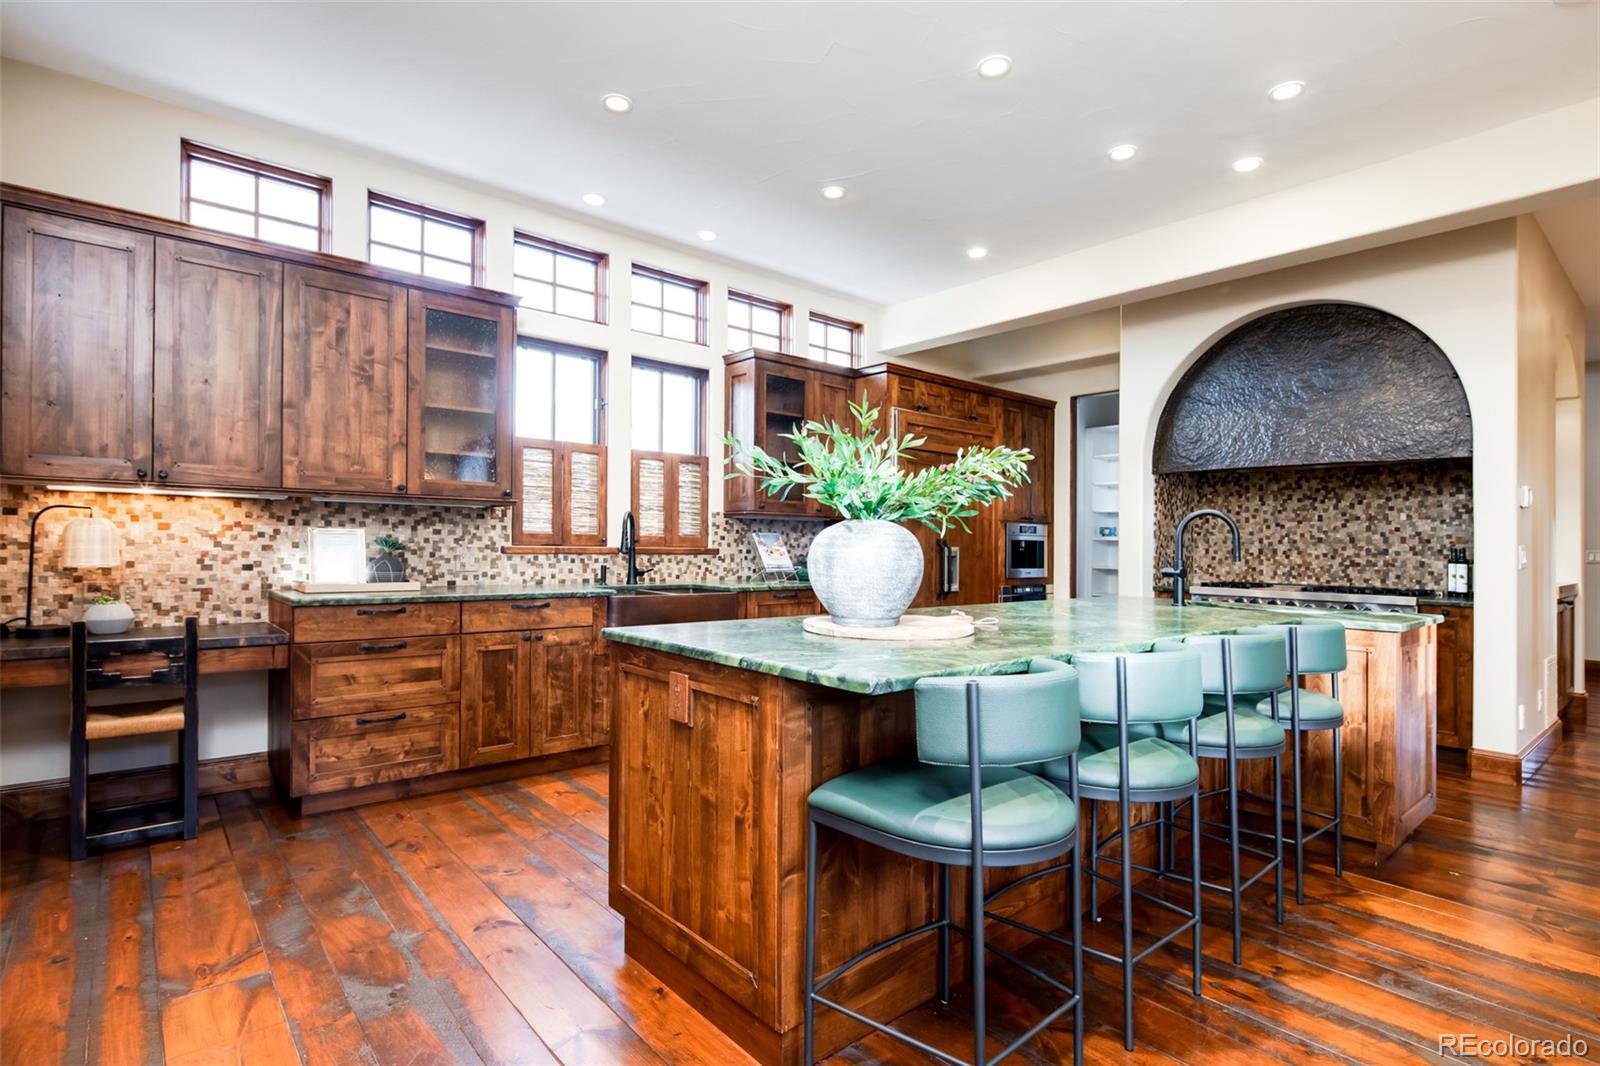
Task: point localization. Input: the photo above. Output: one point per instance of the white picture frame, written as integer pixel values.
(338, 556)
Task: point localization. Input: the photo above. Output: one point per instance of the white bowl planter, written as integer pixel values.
(108, 617)
(865, 572)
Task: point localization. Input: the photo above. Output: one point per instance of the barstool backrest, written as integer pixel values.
(1163, 686)
(1321, 645)
(1022, 718)
(1260, 661)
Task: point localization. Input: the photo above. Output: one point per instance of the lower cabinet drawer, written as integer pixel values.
(381, 673)
(356, 750)
(495, 616)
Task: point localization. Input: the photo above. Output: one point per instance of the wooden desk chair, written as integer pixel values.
(174, 661)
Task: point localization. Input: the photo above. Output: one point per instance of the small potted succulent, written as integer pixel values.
(390, 565)
(866, 569)
(107, 614)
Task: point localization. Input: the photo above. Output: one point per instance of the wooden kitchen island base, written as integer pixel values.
(711, 766)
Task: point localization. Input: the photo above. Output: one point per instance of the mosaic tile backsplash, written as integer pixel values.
(1391, 524)
(216, 558)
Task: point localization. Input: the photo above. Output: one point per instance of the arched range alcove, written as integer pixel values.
(1315, 385)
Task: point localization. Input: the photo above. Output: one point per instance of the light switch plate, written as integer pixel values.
(1522, 556)
(1525, 496)
(1592, 557)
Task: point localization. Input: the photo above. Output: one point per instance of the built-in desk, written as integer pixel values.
(229, 648)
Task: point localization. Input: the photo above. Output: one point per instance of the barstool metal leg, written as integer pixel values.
(1338, 803)
(1125, 813)
(944, 934)
(1094, 860)
(1076, 893)
(811, 936)
(1194, 860)
(1277, 835)
(1299, 824)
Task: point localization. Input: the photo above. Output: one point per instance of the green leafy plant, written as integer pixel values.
(862, 475)
(102, 600)
(388, 543)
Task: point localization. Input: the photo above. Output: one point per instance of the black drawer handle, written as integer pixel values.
(380, 721)
(370, 649)
(784, 595)
(380, 610)
(530, 606)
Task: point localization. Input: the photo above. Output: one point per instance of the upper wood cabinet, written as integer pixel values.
(344, 383)
(980, 544)
(771, 395)
(1030, 426)
(76, 354)
(460, 389)
(137, 349)
(218, 366)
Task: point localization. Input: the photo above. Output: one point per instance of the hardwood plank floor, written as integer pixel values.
(472, 926)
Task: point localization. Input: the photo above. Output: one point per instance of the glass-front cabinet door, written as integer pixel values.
(460, 387)
(781, 401)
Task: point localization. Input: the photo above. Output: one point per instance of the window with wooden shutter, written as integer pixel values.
(670, 468)
(560, 462)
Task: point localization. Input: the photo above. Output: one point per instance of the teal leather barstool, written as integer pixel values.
(1125, 699)
(1235, 671)
(967, 802)
(1313, 648)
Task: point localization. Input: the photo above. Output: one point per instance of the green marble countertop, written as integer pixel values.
(447, 593)
(1054, 629)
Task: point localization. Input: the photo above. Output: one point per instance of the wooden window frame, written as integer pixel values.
(702, 293)
(561, 535)
(785, 318)
(702, 385)
(857, 331)
(438, 214)
(602, 274)
(188, 151)
(672, 539)
(559, 347)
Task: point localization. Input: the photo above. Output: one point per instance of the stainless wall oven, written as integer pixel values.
(1026, 545)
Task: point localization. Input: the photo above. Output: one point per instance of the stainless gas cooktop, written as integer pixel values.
(1343, 597)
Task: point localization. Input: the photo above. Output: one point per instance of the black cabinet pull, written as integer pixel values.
(372, 649)
(784, 595)
(141, 473)
(538, 636)
(506, 493)
(400, 487)
(162, 474)
(379, 721)
(530, 606)
(380, 610)
(526, 637)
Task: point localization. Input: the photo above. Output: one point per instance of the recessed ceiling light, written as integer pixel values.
(833, 192)
(707, 234)
(1124, 152)
(616, 103)
(1247, 164)
(1286, 90)
(977, 251)
(594, 199)
(994, 66)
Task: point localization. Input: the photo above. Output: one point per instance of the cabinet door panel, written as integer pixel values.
(460, 378)
(980, 548)
(218, 367)
(1029, 426)
(563, 687)
(344, 382)
(829, 401)
(77, 362)
(495, 682)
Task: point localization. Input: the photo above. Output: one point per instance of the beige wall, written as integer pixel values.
(1460, 289)
(66, 135)
(1590, 604)
(1550, 328)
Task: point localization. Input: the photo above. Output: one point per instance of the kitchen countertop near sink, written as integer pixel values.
(1054, 629)
(446, 594)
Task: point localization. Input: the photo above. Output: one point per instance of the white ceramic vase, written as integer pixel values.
(866, 573)
(108, 617)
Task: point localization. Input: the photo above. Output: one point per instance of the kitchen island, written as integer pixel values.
(720, 730)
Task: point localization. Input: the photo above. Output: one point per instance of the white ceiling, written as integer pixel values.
(744, 109)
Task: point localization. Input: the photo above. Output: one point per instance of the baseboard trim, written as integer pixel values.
(48, 799)
(1498, 766)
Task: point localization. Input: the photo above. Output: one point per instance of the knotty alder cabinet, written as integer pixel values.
(390, 699)
(1454, 674)
(136, 349)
